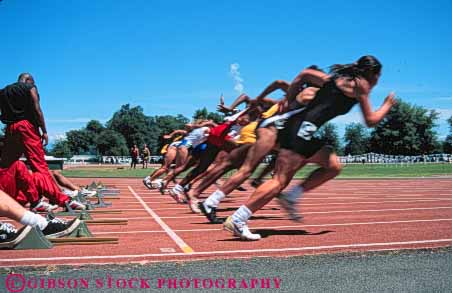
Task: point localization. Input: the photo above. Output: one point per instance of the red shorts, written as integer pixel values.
(23, 138)
(17, 181)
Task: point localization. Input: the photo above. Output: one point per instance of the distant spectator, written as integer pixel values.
(134, 153)
(145, 156)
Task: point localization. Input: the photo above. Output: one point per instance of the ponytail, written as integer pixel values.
(362, 68)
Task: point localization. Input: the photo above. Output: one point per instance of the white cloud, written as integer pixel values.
(444, 114)
(443, 99)
(238, 81)
(57, 136)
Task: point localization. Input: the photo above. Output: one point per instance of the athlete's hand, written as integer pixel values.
(283, 106)
(390, 99)
(45, 139)
(222, 108)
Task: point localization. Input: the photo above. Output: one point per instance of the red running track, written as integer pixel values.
(341, 216)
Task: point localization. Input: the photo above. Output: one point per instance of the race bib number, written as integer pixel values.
(279, 124)
(307, 130)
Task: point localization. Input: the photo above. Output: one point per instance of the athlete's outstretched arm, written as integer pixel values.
(276, 85)
(208, 123)
(314, 77)
(243, 98)
(373, 118)
(40, 116)
(175, 132)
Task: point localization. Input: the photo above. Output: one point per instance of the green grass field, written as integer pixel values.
(349, 171)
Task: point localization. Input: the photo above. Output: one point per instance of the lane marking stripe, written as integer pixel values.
(358, 245)
(290, 226)
(184, 246)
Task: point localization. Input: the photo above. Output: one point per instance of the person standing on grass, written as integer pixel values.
(134, 153)
(145, 154)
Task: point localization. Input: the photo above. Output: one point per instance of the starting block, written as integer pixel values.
(103, 189)
(33, 238)
(81, 231)
(71, 212)
(85, 241)
(100, 202)
(29, 238)
(82, 215)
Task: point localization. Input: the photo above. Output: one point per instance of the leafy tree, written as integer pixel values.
(61, 149)
(205, 114)
(406, 130)
(356, 139)
(447, 144)
(329, 135)
(95, 126)
(80, 141)
(132, 124)
(161, 125)
(112, 143)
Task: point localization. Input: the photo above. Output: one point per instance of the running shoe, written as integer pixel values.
(210, 215)
(162, 190)
(10, 236)
(177, 196)
(255, 183)
(187, 187)
(240, 230)
(43, 207)
(59, 228)
(88, 193)
(290, 208)
(76, 205)
(194, 205)
(241, 188)
(70, 193)
(157, 183)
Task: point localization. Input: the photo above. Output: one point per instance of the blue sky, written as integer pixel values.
(170, 57)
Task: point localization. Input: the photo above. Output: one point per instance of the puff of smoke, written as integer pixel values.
(238, 81)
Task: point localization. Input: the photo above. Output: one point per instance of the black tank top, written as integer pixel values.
(328, 103)
(16, 103)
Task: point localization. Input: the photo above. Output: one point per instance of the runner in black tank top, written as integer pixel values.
(298, 131)
(349, 84)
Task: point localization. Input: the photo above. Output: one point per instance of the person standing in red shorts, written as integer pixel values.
(134, 153)
(26, 133)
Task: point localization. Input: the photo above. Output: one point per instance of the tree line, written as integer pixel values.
(407, 130)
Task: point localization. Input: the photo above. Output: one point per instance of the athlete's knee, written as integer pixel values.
(335, 167)
(245, 171)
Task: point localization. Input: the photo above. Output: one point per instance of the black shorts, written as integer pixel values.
(298, 136)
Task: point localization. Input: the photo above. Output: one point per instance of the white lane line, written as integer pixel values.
(290, 226)
(184, 246)
(304, 213)
(269, 250)
(330, 203)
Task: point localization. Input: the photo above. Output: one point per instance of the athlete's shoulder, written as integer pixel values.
(362, 86)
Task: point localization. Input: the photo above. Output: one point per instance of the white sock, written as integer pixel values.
(295, 193)
(242, 215)
(214, 199)
(147, 178)
(34, 220)
(178, 188)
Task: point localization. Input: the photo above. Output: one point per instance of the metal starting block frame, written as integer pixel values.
(35, 239)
